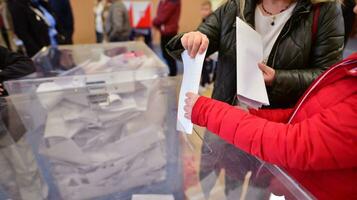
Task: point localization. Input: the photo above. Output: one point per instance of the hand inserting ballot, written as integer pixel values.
(189, 103)
(195, 42)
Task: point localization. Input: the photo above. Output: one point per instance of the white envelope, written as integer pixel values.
(251, 88)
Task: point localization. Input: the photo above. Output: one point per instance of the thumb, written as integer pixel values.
(190, 94)
(262, 67)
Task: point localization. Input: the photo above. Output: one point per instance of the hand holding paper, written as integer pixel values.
(190, 83)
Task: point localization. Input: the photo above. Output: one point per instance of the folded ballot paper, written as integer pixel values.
(251, 89)
(190, 83)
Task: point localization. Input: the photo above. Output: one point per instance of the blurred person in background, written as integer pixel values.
(349, 15)
(100, 12)
(8, 38)
(167, 22)
(34, 24)
(117, 25)
(64, 15)
(5, 26)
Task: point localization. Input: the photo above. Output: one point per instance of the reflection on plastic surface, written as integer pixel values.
(97, 142)
(20, 177)
(125, 60)
(94, 58)
(217, 170)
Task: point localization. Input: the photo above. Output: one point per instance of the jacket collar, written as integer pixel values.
(302, 7)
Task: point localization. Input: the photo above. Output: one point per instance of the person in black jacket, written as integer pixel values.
(31, 25)
(296, 57)
(349, 17)
(64, 16)
(13, 66)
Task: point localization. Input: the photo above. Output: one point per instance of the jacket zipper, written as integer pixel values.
(283, 36)
(278, 44)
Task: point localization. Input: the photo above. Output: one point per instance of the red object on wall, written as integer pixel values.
(140, 14)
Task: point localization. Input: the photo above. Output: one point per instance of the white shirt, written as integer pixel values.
(268, 32)
(99, 9)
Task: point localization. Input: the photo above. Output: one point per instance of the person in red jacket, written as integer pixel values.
(167, 22)
(316, 142)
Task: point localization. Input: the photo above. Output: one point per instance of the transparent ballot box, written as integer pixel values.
(95, 142)
(118, 141)
(97, 58)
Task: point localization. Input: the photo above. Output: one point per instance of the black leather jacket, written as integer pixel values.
(14, 65)
(297, 62)
(30, 27)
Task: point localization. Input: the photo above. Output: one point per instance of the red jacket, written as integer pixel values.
(167, 18)
(316, 142)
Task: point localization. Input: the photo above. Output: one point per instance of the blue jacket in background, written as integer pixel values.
(64, 15)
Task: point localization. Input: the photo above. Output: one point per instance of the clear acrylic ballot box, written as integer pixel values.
(125, 61)
(94, 137)
(86, 59)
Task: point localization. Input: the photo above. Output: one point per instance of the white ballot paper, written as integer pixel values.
(251, 88)
(190, 83)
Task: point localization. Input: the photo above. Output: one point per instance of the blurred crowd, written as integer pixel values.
(26, 26)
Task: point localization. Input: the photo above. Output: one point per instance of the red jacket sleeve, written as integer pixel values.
(327, 140)
(164, 12)
(276, 115)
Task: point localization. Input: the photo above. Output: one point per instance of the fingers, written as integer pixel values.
(268, 73)
(184, 41)
(204, 45)
(262, 67)
(265, 68)
(188, 105)
(187, 108)
(188, 101)
(190, 94)
(188, 116)
(195, 42)
(196, 45)
(188, 111)
(190, 43)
